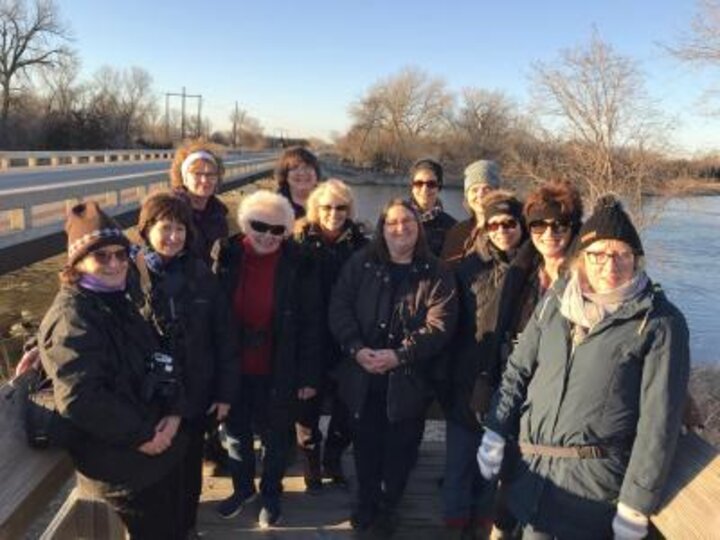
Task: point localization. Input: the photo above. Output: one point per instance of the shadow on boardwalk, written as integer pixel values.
(325, 516)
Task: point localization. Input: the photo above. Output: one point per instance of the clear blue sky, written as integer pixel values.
(299, 65)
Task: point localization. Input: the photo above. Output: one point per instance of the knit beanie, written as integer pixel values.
(89, 228)
(498, 203)
(482, 172)
(609, 221)
(430, 165)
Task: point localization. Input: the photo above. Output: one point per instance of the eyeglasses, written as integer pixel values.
(338, 207)
(600, 258)
(104, 256)
(429, 184)
(556, 227)
(506, 225)
(262, 227)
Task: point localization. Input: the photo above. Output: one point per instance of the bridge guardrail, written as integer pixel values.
(54, 158)
(33, 212)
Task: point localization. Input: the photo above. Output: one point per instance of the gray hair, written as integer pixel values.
(263, 200)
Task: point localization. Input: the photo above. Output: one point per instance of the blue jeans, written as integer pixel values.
(466, 495)
(249, 415)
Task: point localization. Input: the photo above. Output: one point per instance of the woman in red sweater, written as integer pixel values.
(276, 301)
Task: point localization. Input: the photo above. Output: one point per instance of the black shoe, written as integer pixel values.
(386, 523)
(313, 486)
(362, 519)
(233, 505)
(335, 474)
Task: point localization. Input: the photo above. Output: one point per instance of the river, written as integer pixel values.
(682, 251)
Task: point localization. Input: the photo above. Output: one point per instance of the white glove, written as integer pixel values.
(629, 524)
(490, 454)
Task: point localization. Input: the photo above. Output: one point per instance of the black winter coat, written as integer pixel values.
(95, 348)
(210, 225)
(297, 321)
(416, 321)
(473, 354)
(188, 309)
(436, 230)
(328, 259)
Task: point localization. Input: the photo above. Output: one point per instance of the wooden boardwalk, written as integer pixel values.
(325, 516)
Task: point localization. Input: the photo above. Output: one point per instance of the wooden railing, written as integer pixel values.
(54, 158)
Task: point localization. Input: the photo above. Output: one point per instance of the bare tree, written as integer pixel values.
(701, 45)
(30, 38)
(484, 123)
(608, 130)
(400, 111)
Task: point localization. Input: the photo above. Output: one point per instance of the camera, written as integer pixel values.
(162, 379)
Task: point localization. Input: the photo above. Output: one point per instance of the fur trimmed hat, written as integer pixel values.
(89, 228)
(609, 221)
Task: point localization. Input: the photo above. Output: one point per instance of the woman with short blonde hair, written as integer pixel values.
(327, 237)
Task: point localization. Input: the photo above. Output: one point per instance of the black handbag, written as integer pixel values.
(44, 427)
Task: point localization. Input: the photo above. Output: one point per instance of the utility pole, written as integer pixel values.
(183, 95)
(235, 120)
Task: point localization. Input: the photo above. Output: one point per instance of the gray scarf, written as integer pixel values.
(585, 309)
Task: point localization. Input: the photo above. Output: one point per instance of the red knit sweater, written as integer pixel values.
(253, 307)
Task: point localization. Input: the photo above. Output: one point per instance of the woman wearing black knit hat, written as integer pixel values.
(113, 383)
(598, 381)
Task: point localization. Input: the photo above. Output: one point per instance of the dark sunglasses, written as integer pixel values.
(557, 227)
(262, 227)
(104, 257)
(505, 225)
(337, 208)
(430, 184)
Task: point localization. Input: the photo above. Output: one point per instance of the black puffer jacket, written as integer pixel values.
(364, 312)
(473, 354)
(95, 348)
(188, 309)
(297, 320)
(328, 259)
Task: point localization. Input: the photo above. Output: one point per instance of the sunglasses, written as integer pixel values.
(430, 184)
(104, 257)
(338, 208)
(262, 227)
(557, 227)
(506, 225)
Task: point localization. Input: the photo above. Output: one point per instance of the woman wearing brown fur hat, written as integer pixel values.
(111, 380)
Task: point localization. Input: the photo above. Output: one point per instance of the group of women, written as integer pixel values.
(560, 367)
